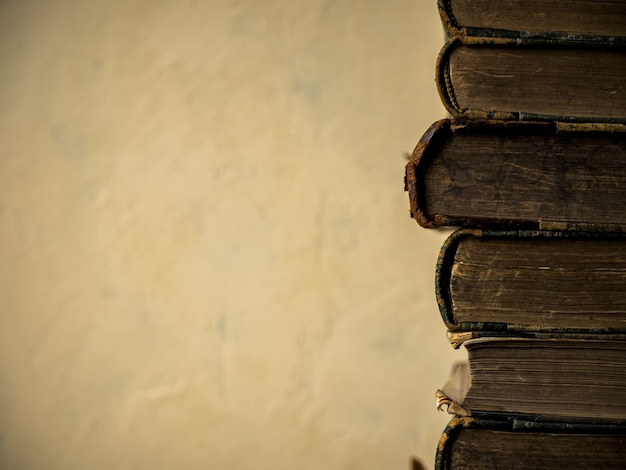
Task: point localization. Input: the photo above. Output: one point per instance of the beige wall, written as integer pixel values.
(206, 254)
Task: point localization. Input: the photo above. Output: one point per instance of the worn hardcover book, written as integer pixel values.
(554, 19)
(509, 78)
(519, 174)
(564, 379)
(471, 443)
(533, 281)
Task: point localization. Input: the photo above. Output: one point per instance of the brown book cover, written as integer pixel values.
(514, 443)
(522, 281)
(568, 20)
(509, 78)
(543, 175)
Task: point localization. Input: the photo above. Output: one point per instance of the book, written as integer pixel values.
(535, 175)
(571, 20)
(470, 443)
(563, 379)
(511, 78)
(532, 281)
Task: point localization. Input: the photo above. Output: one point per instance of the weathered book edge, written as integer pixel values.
(514, 424)
(428, 147)
(453, 28)
(453, 393)
(445, 86)
(413, 177)
(458, 332)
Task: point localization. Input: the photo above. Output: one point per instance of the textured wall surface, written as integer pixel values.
(206, 254)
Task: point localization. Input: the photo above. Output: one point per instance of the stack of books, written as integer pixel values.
(531, 165)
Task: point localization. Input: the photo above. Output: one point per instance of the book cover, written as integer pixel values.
(540, 175)
(533, 281)
(603, 20)
(522, 443)
(533, 79)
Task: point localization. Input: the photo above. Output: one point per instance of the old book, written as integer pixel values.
(519, 174)
(471, 443)
(555, 19)
(563, 379)
(533, 281)
(508, 78)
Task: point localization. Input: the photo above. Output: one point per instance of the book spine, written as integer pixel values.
(445, 84)
(516, 424)
(459, 332)
(452, 27)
